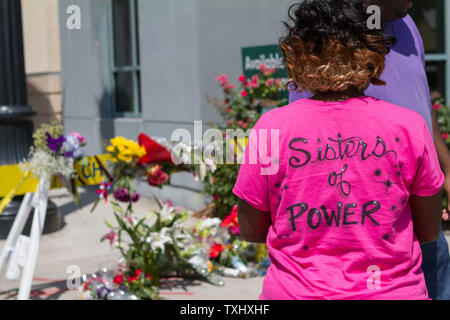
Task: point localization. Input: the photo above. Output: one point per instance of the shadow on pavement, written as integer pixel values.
(87, 197)
(44, 291)
(179, 283)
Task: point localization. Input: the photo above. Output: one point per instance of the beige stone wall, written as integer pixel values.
(42, 59)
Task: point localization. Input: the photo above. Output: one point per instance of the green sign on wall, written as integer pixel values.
(270, 56)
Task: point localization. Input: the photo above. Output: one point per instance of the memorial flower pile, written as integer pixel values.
(151, 247)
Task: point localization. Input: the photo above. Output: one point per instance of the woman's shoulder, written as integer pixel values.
(395, 112)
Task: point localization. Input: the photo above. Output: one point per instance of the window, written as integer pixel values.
(124, 59)
(429, 16)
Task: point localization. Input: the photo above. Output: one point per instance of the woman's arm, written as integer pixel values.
(443, 154)
(253, 224)
(427, 217)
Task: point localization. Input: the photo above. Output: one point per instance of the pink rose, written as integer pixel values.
(254, 84)
(222, 77)
(436, 107)
(244, 94)
(262, 68)
(270, 82)
(230, 86)
(228, 110)
(79, 136)
(157, 177)
(445, 136)
(242, 78)
(246, 85)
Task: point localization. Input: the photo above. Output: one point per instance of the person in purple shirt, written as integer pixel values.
(407, 86)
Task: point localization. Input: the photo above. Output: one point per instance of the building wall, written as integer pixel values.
(184, 45)
(42, 59)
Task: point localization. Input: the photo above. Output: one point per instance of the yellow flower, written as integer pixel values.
(126, 150)
(210, 266)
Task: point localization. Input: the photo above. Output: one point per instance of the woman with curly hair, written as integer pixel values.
(353, 194)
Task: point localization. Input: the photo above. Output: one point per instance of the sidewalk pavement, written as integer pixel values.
(78, 244)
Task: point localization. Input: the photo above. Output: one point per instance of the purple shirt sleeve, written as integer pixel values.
(294, 95)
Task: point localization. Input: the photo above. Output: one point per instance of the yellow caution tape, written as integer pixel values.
(11, 194)
(13, 182)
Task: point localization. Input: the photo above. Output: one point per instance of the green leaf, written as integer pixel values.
(116, 207)
(109, 225)
(95, 205)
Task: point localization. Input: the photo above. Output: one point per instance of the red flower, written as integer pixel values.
(118, 279)
(155, 152)
(242, 78)
(436, 107)
(215, 251)
(231, 221)
(244, 93)
(156, 177)
(138, 273)
(262, 68)
(216, 197)
(445, 136)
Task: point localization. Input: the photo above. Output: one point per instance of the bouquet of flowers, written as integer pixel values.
(130, 161)
(54, 153)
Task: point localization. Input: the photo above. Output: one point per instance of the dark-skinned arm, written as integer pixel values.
(253, 224)
(427, 217)
(443, 154)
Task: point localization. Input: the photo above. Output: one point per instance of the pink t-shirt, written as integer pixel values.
(337, 186)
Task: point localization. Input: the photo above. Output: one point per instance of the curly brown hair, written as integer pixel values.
(329, 47)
